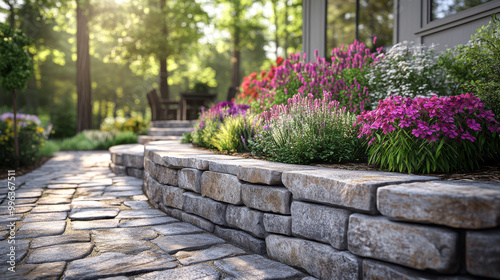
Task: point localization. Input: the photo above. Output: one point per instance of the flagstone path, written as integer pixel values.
(74, 219)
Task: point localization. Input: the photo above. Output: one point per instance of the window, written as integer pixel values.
(443, 8)
(376, 20)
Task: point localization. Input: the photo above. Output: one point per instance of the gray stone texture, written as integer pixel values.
(149, 167)
(117, 158)
(221, 187)
(135, 172)
(133, 160)
(124, 233)
(82, 214)
(277, 224)
(255, 267)
(242, 239)
(147, 222)
(210, 254)
(459, 204)
(205, 207)
(94, 224)
(320, 260)
(55, 216)
(177, 229)
(198, 272)
(112, 264)
(20, 251)
(320, 223)
(266, 198)
(175, 243)
(347, 188)
(377, 270)
(46, 271)
(482, 253)
(172, 196)
(416, 246)
(246, 219)
(121, 245)
(166, 175)
(117, 169)
(36, 229)
(61, 252)
(61, 239)
(198, 221)
(141, 213)
(50, 208)
(190, 179)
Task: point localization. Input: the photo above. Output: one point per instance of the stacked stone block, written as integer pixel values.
(334, 224)
(127, 160)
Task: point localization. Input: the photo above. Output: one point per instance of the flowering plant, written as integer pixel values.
(430, 134)
(409, 70)
(31, 139)
(343, 78)
(249, 88)
(308, 129)
(209, 121)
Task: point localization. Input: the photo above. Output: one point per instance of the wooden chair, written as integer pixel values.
(160, 109)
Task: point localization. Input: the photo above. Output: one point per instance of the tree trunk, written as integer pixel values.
(84, 107)
(275, 11)
(164, 92)
(235, 60)
(16, 138)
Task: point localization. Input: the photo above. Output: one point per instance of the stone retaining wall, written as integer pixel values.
(127, 160)
(335, 224)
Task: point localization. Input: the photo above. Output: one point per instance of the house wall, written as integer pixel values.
(412, 23)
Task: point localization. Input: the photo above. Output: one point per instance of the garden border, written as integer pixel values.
(376, 225)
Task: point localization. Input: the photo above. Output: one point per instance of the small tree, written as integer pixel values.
(16, 68)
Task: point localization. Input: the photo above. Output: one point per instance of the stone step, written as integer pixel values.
(168, 131)
(127, 160)
(145, 139)
(172, 124)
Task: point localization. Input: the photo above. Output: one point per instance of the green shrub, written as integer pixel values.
(126, 137)
(50, 148)
(97, 140)
(30, 140)
(64, 120)
(187, 138)
(234, 132)
(136, 125)
(475, 66)
(307, 130)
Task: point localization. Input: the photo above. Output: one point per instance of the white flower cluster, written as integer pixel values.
(408, 70)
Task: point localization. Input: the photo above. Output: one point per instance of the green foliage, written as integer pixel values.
(303, 133)
(201, 137)
(476, 65)
(64, 119)
(400, 151)
(30, 141)
(16, 66)
(97, 140)
(49, 149)
(233, 134)
(135, 125)
(186, 138)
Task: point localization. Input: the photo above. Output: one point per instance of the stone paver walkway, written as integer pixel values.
(74, 219)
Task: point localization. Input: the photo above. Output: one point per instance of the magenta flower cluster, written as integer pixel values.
(220, 111)
(435, 118)
(297, 76)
